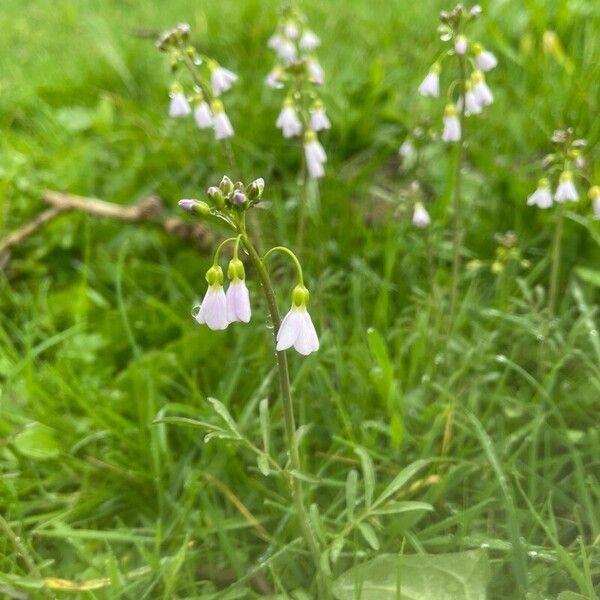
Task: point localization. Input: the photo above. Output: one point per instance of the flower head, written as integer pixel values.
(288, 120)
(452, 129)
(318, 118)
(566, 190)
(430, 86)
(481, 89)
(542, 197)
(221, 123)
(203, 115)
(221, 78)
(297, 328)
(315, 155)
(484, 59)
(213, 309)
(309, 40)
(421, 217)
(179, 106)
(237, 296)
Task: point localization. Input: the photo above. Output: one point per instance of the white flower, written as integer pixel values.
(318, 118)
(213, 310)
(542, 197)
(238, 302)
(481, 89)
(430, 86)
(288, 120)
(484, 59)
(460, 45)
(291, 30)
(314, 154)
(275, 41)
(287, 51)
(566, 190)
(221, 78)
(452, 130)
(309, 40)
(407, 148)
(472, 105)
(297, 328)
(274, 77)
(179, 106)
(203, 115)
(421, 217)
(594, 195)
(221, 123)
(315, 72)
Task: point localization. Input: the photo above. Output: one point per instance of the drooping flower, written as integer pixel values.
(460, 45)
(315, 155)
(297, 328)
(407, 148)
(213, 309)
(221, 78)
(430, 86)
(484, 59)
(315, 72)
(221, 123)
(288, 120)
(309, 40)
(542, 197)
(421, 217)
(291, 30)
(452, 129)
(318, 118)
(203, 115)
(237, 296)
(179, 106)
(287, 51)
(275, 41)
(472, 105)
(274, 78)
(594, 195)
(566, 190)
(481, 89)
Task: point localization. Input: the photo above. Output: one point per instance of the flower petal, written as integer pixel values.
(307, 340)
(289, 329)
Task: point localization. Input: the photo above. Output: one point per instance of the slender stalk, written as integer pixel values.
(303, 197)
(456, 195)
(556, 253)
(289, 420)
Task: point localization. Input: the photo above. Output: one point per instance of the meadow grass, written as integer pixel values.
(96, 340)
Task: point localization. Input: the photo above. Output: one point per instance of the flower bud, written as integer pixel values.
(226, 185)
(300, 296)
(187, 204)
(235, 269)
(254, 191)
(194, 206)
(594, 192)
(216, 195)
(239, 198)
(214, 275)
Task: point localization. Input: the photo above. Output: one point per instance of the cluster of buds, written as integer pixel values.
(507, 253)
(208, 82)
(474, 94)
(299, 74)
(219, 308)
(564, 165)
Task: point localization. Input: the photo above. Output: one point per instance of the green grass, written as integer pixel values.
(96, 340)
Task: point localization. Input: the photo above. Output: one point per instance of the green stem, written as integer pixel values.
(288, 412)
(456, 197)
(556, 252)
(292, 256)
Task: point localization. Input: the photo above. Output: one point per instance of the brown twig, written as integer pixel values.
(149, 209)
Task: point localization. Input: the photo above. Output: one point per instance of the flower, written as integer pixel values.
(237, 296)
(221, 78)
(566, 190)
(421, 217)
(288, 120)
(430, 86)
(318, 118)
(542, 197)
(291, 30)
(287, 51)
(452, 130)
(203, 115)
(484, 59)
(460, 45)
(407, 148)
(594, 195)
(297, 328)
(481, 89)
(472, 105)
(309, 40)
(221, 123)
(315, 155)
(274, 78)
(213, 310)
(179, 106)
(275, 41)
(315, 72)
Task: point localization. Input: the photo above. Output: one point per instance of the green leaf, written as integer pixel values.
(336, 548)
(369, 534)
(187, 422)
(401, 479)
(222, 411)
(394, 508)
(263, 464)
(265, 421)
(590, 276)
(570, 596)
(351, 486)
(368, 471)
(455, 576)
(38, 442)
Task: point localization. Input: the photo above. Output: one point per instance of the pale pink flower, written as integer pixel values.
(309, 41)
(430, 86)
(238, 301)
(318, 119)
(566, 190)
(221, 79)
(213, 310)
(179, 106)
(452, 130)
(421, 217)
(288, 120)
(203, 115)
(542, 197)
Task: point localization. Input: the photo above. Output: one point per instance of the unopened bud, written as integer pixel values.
(226, 185)
(216, 195)
(214, 275)
(239, 198)
(236, 270)
(255, 190)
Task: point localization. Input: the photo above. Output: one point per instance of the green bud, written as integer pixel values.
(226, 185)
(214, 276)
(235, 269)
(202, 208)
(594, 192)
(216, 195)
(254, 191)
(300, 296)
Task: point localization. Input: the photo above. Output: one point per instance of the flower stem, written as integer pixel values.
(456, 196)
(289, 421)
(556, 253)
